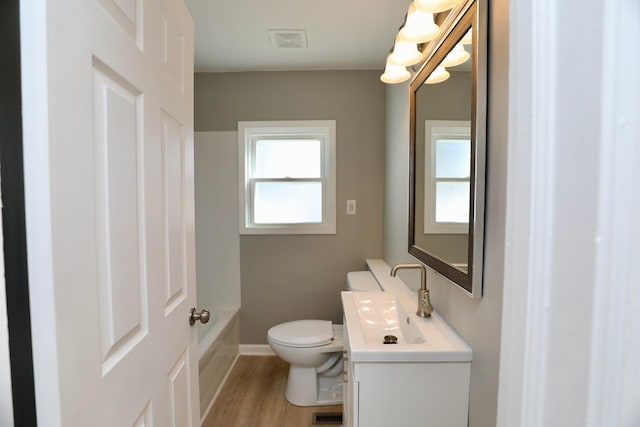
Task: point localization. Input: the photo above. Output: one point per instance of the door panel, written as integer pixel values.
(173, 51)
(180, 399)
(127, 14)
(144, 420)
(173, 155)
(122, 304)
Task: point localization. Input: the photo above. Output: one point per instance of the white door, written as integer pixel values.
(108, 92)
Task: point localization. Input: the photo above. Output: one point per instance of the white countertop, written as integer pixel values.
(443, 343)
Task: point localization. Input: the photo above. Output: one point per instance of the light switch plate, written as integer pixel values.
(351, 207)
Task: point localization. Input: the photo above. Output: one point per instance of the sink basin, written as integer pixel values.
(381, 316)
(372, 316)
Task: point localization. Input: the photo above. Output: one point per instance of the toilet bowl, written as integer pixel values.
(314, 349)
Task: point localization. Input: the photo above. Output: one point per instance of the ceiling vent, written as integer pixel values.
(288, 39)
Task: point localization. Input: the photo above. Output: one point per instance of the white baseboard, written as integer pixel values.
(256, 350)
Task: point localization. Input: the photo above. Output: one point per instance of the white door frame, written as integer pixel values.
(571, 310)
(33, 41)
(6, 401)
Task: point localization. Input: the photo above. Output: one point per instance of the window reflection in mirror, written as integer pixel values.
(443, 160)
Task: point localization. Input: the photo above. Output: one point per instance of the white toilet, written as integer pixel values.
(314, 350)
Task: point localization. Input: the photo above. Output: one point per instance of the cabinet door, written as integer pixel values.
(351, 395)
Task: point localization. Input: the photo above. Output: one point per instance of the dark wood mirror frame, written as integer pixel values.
(467, 15)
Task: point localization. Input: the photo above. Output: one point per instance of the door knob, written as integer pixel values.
(203, 316)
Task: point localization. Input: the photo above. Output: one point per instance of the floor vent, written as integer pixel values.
(327, 418)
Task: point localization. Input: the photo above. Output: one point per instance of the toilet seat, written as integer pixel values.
(302, 333)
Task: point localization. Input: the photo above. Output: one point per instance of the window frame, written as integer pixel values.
(436, 130)
(248, 133)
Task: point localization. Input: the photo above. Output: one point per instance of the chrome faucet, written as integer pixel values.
(424, 304)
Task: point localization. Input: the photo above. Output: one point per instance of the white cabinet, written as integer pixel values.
(349, 396)
(407, 394)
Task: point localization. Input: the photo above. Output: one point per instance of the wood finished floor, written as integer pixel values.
(253, 396)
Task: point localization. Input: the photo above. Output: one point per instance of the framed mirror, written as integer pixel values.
(448, 152)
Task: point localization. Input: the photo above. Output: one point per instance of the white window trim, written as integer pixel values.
(435, 130)
(325, 131)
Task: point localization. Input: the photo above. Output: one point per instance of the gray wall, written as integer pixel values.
(294, 277)
(477, 321)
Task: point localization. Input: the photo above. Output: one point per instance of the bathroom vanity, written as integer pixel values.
(422, 379)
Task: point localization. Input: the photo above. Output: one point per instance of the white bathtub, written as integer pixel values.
(217, 352)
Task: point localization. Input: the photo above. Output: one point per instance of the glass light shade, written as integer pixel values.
(405, 53)
(468, 38)
(457, 56)
(438, 75)
(419, 26)
(394, 74)
(435, 6)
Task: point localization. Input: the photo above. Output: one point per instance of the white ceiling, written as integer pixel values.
(233, 35)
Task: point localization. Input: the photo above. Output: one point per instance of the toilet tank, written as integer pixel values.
(362, 281)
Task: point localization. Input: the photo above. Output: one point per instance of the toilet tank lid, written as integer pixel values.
(362, 281)
(302, 333)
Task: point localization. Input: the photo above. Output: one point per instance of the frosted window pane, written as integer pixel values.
(287, 202)
(452, 202)
(453, 158)
(290, 158)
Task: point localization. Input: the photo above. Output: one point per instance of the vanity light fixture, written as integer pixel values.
(438, 75)
(394, 73)
(404, 53)
(457, 56)
(419, 26)
(435, 6)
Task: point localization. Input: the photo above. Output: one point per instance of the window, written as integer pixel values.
(447, 176)
(287, 177)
